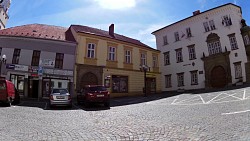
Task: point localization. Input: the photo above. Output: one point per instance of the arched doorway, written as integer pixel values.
(89, 79)
(218, 77)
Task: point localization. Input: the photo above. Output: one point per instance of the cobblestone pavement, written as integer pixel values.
(223, 115)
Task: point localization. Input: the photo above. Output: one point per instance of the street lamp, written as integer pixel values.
(145, 68)
(2, 61)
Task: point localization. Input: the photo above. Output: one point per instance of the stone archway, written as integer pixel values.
(89, 79)
(218, 77)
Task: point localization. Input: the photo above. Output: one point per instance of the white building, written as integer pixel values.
(205, 50)
(4, 7)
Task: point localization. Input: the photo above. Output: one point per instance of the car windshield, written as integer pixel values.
(97, 88)
(61, 91)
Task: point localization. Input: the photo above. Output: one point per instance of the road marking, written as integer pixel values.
(202, 100)
(244, 95)
(227, 97)
(231, 113)
(191, 98)
(214, 98)
(175, 100)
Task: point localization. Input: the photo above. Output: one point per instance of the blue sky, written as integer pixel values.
(132, 18)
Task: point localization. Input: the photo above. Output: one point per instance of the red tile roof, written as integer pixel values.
(36, 31)
(103, 33)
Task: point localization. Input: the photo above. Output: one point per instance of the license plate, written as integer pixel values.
(60, 97)
(100, 95)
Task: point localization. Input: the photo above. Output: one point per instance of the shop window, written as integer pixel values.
(16, 55)
(35, 58)
(119, 84)
(59, 60)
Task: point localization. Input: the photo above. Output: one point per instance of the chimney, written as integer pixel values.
(111, 30)
(196, 12)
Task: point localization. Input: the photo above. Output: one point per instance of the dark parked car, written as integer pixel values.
(94, 94)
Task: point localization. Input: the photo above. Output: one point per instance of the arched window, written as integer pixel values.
(213, 44)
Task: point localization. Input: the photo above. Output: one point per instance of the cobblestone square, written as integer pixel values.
(222, 115)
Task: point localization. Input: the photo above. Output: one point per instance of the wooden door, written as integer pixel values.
(218, 77)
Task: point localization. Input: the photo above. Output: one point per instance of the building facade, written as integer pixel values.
(4, 7)
(113, 60)
(37, 58)
(205, 50)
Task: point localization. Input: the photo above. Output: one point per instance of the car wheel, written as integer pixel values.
(86, 104)
(107, 104)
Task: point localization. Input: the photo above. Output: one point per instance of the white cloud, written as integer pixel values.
(116, 4)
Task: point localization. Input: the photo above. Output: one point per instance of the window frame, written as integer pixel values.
(214, 47)
(166, 58)
(177, 37)
(212, 25)
(246, 40)
(180, 79)
(155, 61)
(233, 42)
(143, 59)
(168, 81)
(179, 56)
(165, 40)
(59, 60)
(188, 31)
(91, 50)
(238, 70)
(192, 53)
(112, 54)
(16, 56)
(35, 58)
(128, 56)
(194, 77)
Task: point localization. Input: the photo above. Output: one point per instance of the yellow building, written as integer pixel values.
(113, 60)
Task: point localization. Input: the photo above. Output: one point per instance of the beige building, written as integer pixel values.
(113, 60)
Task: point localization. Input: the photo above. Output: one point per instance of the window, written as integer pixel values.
(143, 59)
(155, 64)
(233, 42)
(59, 84)
(180, 79)
(238, 70)
(176, 35)
(212, 26)
(35, 58)
(165, 40)
(205, 24)
(246, 40)
(16, 56)
(179, 55)
(194, 77)
(112, 52)
(168, 81)
(91, 50)
(188, 30)
(59, 60)
(128, 56)
(166, 58)
(226, 20)
(119, 84)
(0, 51)
(214, 47)
(192, 54)
(209, 26)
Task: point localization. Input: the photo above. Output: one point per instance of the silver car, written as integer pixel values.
(60, 97)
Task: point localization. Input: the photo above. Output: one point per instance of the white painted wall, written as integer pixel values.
(199, 39)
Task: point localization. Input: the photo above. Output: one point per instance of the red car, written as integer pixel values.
(8, 93)
(94, 94)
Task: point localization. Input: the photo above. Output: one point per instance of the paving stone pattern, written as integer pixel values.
(178, 118)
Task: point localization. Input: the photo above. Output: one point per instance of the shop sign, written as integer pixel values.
(148, 74)
(21, 68)
(60, 72)
(10, 66)
(47, 63)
